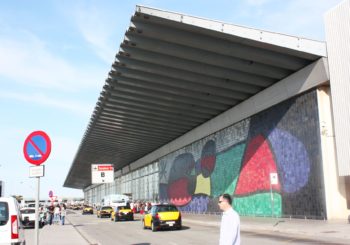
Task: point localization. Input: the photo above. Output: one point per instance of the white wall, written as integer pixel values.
(334, 186)
(337, 22)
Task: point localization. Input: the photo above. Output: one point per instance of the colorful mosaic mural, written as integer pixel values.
(239, 159)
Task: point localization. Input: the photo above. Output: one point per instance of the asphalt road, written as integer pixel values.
(103, 231)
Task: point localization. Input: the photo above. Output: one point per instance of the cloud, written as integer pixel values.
(96, 28)
(64, 150)
(25, 59)
(76, 107)
(295, 17)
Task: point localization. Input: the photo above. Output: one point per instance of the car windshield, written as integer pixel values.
(28, 211)
(166, 209)
(106, 208)
(4, 213)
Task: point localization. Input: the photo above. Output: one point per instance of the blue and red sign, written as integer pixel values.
(50, 194)
(37, 147)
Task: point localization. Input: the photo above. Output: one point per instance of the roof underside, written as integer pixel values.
(173, 73)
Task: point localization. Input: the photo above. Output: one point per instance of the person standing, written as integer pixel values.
(230, 222)
(51, 213)
(57, 211)
(63, 213)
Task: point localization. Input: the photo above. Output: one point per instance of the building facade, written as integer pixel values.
(281, 151)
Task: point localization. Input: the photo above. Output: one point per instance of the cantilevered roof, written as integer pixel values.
(174, 72)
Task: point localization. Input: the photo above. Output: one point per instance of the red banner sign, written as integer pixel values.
(105, 168)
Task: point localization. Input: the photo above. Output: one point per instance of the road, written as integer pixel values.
(104, 231)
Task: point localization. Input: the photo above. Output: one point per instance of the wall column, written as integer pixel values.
(335, 192)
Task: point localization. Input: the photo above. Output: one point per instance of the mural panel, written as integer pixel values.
(239, 159)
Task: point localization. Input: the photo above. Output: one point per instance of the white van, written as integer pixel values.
(115, 200)
(11, 229)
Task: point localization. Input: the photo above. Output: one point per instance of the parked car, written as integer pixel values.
(123, 213)
(28, 218)
(161, 216)
(104, 211)
(11, 229)
(88, 210)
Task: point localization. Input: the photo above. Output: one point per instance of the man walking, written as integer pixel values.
(230, 223)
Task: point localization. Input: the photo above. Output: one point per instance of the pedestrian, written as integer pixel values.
(63, 213)
(51, 213)
(230, 222)
(57, 210)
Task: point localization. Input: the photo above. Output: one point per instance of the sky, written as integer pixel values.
(56, 55)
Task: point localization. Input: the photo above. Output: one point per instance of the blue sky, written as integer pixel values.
(55, 56)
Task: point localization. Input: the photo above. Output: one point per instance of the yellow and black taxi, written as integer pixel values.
(162, 216)
(122, 213)
(88, 210)
(104, 211)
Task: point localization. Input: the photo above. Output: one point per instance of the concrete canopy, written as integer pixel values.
(174, 72)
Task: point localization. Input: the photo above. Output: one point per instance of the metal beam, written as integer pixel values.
(210, 58)
(220, 46)
(165, 89)
(201, 85)
(193, 66)
(164, 97)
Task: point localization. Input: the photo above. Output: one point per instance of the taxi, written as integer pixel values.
(122, 213)
(104, 211)
(162, 216)
(88, 210)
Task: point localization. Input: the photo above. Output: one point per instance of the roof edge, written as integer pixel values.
(273, 38)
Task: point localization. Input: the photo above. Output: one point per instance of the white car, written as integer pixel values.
(28, 217)
(11, 229)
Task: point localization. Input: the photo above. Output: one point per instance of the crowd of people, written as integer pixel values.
(53, 214)
(140, 207)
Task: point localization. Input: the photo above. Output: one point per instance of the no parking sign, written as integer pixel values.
(36, 150)
(37, 147)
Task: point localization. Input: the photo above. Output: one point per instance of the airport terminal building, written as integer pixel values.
(193, 108)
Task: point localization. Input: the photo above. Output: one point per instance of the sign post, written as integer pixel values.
(102, 173)
(36, 150)
(273, 181)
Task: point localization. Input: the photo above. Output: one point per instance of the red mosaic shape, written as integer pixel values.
(257, 165)
(178, 192)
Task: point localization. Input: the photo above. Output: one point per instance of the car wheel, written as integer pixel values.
(143, 224)
(179, 227)
(154, 228)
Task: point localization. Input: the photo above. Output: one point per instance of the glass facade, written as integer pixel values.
(141, 184)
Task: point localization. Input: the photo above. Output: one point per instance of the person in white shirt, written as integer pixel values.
(57, 218)
(230, 222)
(63, 213)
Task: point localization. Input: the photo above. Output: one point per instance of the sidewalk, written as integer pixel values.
(326, 231)
(56, 235)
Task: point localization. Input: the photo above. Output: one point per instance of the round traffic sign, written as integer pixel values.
(37, 147)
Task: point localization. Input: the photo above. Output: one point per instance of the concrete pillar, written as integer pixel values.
(335, 192)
